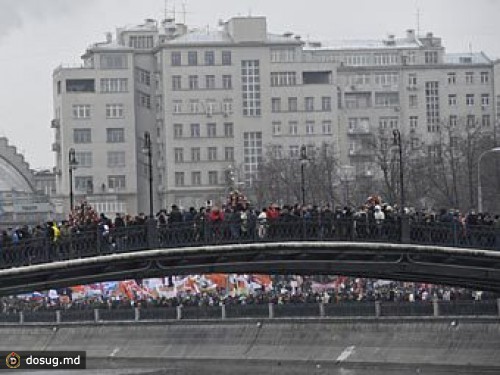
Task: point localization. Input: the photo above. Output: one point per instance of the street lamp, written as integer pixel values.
(146, 149)
(303, 161)
(479, 190)
(397, 141)
(72, 163)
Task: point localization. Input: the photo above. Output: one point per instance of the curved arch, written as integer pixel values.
(17, 175)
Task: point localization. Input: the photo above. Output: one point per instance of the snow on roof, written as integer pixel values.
(396, 43)
(467, 58)
(197, 36)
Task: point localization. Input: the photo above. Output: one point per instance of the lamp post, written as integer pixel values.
(397, 141)
(146, 149)
(479, 189)
(303, 160)
(72, 163)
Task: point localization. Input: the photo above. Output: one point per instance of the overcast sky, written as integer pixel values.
(38, 35)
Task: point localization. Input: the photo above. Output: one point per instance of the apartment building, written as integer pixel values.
(216, 102)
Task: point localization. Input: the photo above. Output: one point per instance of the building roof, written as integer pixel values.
(200, 36)
(467, 58)
(396, 43)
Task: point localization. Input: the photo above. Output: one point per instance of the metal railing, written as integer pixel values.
(376, 309)
(37, 250)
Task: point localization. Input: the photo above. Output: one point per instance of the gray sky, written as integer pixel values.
(38, 35)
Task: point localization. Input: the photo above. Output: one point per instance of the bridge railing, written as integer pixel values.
(366, 309)
(83, 244)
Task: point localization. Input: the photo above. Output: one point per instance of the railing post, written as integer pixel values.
(152, 233)
(321, 309)
(405, 228)
(378, 309)
(21, 317)
(58, 316)
(179, 312)
(223, 311)
(96, 315)
(137, 314)
(271, 310)
(435, 306)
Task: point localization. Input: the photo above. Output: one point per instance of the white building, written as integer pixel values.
(216, 100)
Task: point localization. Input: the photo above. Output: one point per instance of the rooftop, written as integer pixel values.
(467, 58)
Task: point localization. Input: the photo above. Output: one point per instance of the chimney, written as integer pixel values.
(109, 37)
(410, 34)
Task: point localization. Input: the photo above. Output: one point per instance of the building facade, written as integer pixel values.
(217, 102)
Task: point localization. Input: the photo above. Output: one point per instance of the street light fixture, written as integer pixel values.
(397, 141)
(479, 189)
(303, 161)
(72, 163)
(146, 149)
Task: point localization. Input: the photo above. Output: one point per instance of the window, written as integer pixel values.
(116, 159)
(179, 155)
(453, 121)
(309, 127)
(116, 182)
(431, 57)
(84, 184)
(386, 99)
(293, 128)
(385, 59)
(196, 178)
(84, 159)
(227, 105)
(179, 178)
(82, 136)
(227, 82)
(226, 57)
(309, 104)
(485, 77)
(250, 75)
(176, 82)
(469, 99)
(252, 153)
(228, 130)
(78, 85)
(177, 130)
(114, 110)
(141, 41)
(195, 130)
(485, 100)
(282, 54)
(143, 76)
(471, 121)
(283, 78)
(452, 100)
(413, 101)
(194, 106)
(294, 151)
(210, 82)
(81, 111)
(357, 60)
(432, 105)
(115, 135)
(228, 153)
(413, 122)
(412, 80)
(326, 103)
(485, 121)
(113, 61)
(469, 78)
(211, 130)
(452, 78)
(175, 58)
(292, 104)
(193, 82)
(109, 85)
(213, 179)
(209, 58)
(177, 106)
(386, 79)
(212, 153)
(388, 123)
(360, 79)
(275, 104)
(276, 127)
(144, 99)
(195, 154)
(326, 127)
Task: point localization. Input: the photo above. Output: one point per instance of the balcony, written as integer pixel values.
(55, 123)
(358, 131)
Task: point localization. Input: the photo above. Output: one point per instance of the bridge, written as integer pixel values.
(439, 253)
